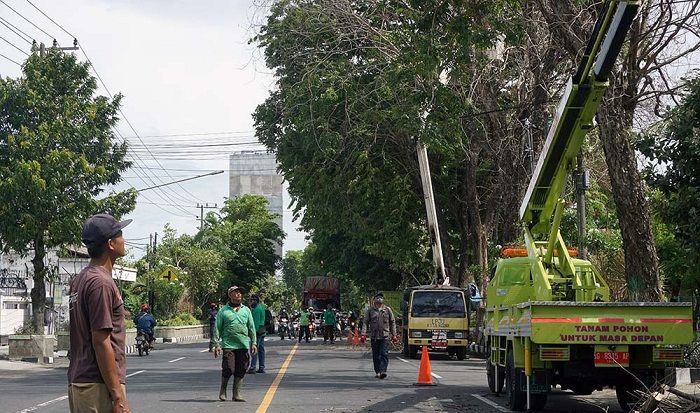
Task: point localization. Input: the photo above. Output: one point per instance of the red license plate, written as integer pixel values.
(612, 358)
(439, 340)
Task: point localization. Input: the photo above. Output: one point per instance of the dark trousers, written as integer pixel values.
(304, 331)
(329, 333)
(234, 362)
(380, 354)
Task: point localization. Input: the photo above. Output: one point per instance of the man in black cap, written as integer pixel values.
(97, 369)
(382, 328)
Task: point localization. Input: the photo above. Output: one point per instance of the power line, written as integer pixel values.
(82, 49)
(2, 55)
(52, 20)
(10, 27)
(27, 20)
(174, 135)
(12, 44)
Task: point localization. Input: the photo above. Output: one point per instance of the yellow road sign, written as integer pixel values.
(169, 273)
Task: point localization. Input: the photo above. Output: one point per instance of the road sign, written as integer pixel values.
(169, 273)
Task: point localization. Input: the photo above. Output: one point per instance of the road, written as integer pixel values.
(319, 378)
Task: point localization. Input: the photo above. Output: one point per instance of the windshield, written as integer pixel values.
(438, 304)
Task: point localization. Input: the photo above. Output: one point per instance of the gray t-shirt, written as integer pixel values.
(95, 304)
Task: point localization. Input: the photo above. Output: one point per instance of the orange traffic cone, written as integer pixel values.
(425, 377)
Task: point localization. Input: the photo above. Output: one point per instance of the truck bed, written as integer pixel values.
(566, 322)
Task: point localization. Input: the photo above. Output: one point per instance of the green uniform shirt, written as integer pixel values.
(259, 318)
(329, 317)
(304, 318)
(234, 327)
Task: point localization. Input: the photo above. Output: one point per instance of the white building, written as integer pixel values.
(254, 172)
(16, 282)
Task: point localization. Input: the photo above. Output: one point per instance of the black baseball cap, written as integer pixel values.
(100, 228)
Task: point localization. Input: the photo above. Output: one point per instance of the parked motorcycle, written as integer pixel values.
(142, 344)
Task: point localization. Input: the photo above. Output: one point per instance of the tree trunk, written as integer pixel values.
(38, 292)
(641, 261)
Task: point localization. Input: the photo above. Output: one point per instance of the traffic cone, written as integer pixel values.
(425, 377)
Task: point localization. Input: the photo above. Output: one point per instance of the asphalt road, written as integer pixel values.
(318, 378)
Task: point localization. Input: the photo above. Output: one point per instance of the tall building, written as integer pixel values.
(254, 172)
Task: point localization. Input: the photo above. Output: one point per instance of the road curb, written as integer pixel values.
(676, 376)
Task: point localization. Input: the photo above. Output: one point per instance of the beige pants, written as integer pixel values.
(90, 398)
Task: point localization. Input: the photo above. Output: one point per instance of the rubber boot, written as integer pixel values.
(222, 390)
(237, 383)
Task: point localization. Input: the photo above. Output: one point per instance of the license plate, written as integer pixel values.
(439, 340)
(604, 357)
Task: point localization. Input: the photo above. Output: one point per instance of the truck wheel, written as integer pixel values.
(461, 353)
(626, 395)
(413, 352)
(583, 389)
(516, 397)
(495, 387)
(538, 401)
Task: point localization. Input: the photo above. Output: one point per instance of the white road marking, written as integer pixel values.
(204, 351)
(491, 403)
(135, 373)
(177, 359)
(31, 409)
(408, 362)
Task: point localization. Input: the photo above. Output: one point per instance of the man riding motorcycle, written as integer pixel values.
(145, 322)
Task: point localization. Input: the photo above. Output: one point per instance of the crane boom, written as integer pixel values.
(574, 117)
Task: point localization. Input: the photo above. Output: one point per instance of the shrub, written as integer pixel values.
(182, 319)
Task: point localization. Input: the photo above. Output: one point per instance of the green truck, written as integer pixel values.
(549, 321)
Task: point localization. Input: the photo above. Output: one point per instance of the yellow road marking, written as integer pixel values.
(275, 383)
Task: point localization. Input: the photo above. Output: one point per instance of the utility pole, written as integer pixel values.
(41, 48)
(581, 178)
(201, 213)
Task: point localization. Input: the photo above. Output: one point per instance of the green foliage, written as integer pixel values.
(167, 297)
(58, 153)
(182, 319)
(673, 169)
(245, 235)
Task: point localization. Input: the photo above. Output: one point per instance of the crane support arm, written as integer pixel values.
(574, 116)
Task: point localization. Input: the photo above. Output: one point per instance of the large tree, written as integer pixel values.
(58, 153)
(244, 235)
(640, 87)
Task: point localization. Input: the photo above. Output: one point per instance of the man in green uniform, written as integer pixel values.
(258, 310)
(305, 319)
(329, 325)
(234, 332)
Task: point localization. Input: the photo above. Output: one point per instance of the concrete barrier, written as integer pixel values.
(34, 348)
(177, 334)
(164, 334)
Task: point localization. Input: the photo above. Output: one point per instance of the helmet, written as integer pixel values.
(145, 307)
(311, 309)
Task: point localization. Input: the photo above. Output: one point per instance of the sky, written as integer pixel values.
(185, 68)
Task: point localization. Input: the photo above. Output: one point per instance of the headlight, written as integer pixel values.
(415, 334)
(459, 334)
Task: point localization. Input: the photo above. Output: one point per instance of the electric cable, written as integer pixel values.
(2, 55)
(3, 22)
(17, 28)
(13, 45)
(27, 20)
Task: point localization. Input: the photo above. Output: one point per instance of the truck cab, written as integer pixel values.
(435, 316)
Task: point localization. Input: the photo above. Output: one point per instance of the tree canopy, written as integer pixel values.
(58, 154)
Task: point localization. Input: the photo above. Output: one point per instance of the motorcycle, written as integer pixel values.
(142, 344)
(284, 328)
(294, 330)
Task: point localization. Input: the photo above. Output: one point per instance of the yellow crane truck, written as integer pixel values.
(549, 321)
